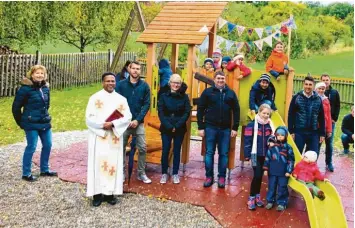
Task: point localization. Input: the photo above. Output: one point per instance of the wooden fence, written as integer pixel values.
(345, 87)
(64, 70)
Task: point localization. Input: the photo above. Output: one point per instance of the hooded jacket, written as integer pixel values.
(306, 114)
(257, 95)
(279, 159)
(34, 99)
(264, 133)
(174, 110)
(307, 172)
(165, 72)
(327, 115)
(334, 100)
(276, 61)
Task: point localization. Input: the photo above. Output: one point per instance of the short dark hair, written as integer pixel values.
(106, 74)
(324, 75)
(136, 63)
(308, 78)
(221, 73)
(279, 42)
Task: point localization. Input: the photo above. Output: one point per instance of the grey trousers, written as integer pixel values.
(139, 132)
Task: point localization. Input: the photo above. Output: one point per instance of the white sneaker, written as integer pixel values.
(164, 179)
(176, 179)
(143, 177)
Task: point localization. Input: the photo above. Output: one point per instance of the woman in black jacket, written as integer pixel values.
(173, 110)
(30, 111)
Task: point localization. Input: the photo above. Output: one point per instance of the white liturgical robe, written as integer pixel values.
(105, 147)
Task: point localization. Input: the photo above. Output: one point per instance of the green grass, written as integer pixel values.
(67, 111)
(337, 65)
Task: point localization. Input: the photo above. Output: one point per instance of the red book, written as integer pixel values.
(114, 116)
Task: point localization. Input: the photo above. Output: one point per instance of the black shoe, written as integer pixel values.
(29, 178)
(330, 167)
(49, 174)
(97, 200)
(110, 199)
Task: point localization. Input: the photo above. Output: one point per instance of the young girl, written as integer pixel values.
(278, 167)
(277, 62)
(238, 62)
(256, 136)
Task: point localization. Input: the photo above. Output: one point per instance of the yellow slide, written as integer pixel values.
(326, 213)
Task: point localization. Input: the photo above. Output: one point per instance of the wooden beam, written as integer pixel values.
(186, 143)
(170, 41)
(174, 57)
(120, 47)
(150, 62)
(163, 47)
(289, 92)
(212, 40)
(140, 16)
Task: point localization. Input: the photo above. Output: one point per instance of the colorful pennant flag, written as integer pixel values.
(219, 41)
(259, 31)
(231, 26)
(229, 44)
(284, 30)
(250, 31)
(239, 45)
(268, 40)
(277, 35)
(240, 29)
(268, 30)
(276, 27)
(221, 22)
(259, 44)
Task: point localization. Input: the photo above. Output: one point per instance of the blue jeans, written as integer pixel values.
(346, 140)
(221, 138)
(329, 146)
(310, 139)
(278, 184)
(166, 139)
(32, 139)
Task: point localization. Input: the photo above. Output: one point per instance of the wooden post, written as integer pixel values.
(150, 63)
(174, 57)
(140, 16)
(289, 44)
(38, 57)
(110, 58)
(186, 143)
(289, 93)
(212, 40)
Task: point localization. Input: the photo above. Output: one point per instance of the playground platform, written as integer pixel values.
(227, 206)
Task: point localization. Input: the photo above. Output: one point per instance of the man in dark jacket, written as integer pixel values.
(334, 100)
(262, 92)
(217, 107)
(306, 117)
(137, 93)
(347, 127)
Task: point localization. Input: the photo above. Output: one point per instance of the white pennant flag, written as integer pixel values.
(221, 22)
(268, 40)
(219, 41)
(259, 44)
(203, 29)
(239, 45)
(240, 29)
(259, 31)
(229, 44)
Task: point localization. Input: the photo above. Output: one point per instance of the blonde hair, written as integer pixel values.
(175, 77)
(34, 68)
(264, 106)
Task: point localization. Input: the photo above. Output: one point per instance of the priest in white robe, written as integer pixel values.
(105, 142)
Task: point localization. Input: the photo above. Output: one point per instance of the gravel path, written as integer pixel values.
(51, 202)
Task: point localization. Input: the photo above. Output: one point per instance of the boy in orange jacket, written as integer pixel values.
(277, 62)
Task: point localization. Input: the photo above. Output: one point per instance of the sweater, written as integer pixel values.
(276, 62)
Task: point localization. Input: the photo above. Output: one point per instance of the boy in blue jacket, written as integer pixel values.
(278, 166)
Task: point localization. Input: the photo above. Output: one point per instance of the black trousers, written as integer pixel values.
(258, 176)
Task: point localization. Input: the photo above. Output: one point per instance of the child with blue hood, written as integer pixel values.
(278, 166)
(164, 72)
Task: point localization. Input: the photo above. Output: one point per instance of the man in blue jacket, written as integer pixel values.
(218, 115)
(347, 127)
(306, 117)
(334, 100)
(137, 93)
(262, 92)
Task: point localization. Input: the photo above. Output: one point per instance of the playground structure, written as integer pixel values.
(179, 23)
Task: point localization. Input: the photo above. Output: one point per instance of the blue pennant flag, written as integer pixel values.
(231, 26)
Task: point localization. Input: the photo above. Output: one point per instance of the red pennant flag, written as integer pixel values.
(284, 30)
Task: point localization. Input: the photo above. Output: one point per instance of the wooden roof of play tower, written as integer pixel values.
(180, 22)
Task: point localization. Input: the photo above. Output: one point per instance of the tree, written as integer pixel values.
(339, 10)
(89, 23)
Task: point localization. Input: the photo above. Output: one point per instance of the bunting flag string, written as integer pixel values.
(289, 24)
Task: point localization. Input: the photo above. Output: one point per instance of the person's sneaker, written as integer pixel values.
(251, 203)
(258, 201)
(97, 200)
(164, 178)
(221, 182)
(176, 179)
(330, 167)
(49, 173)
(321, 195)
(143, 177)
(29, 178)
(346, 151)
(269, 206)
(208, 182)
(110, 199)
(280, 208)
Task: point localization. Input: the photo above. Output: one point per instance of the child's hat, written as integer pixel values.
(265, 77)
(320, 84)
(208, 60)
(282, 130)
(311, 156)
(226, 59)
(217, 53)
(239, 56)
